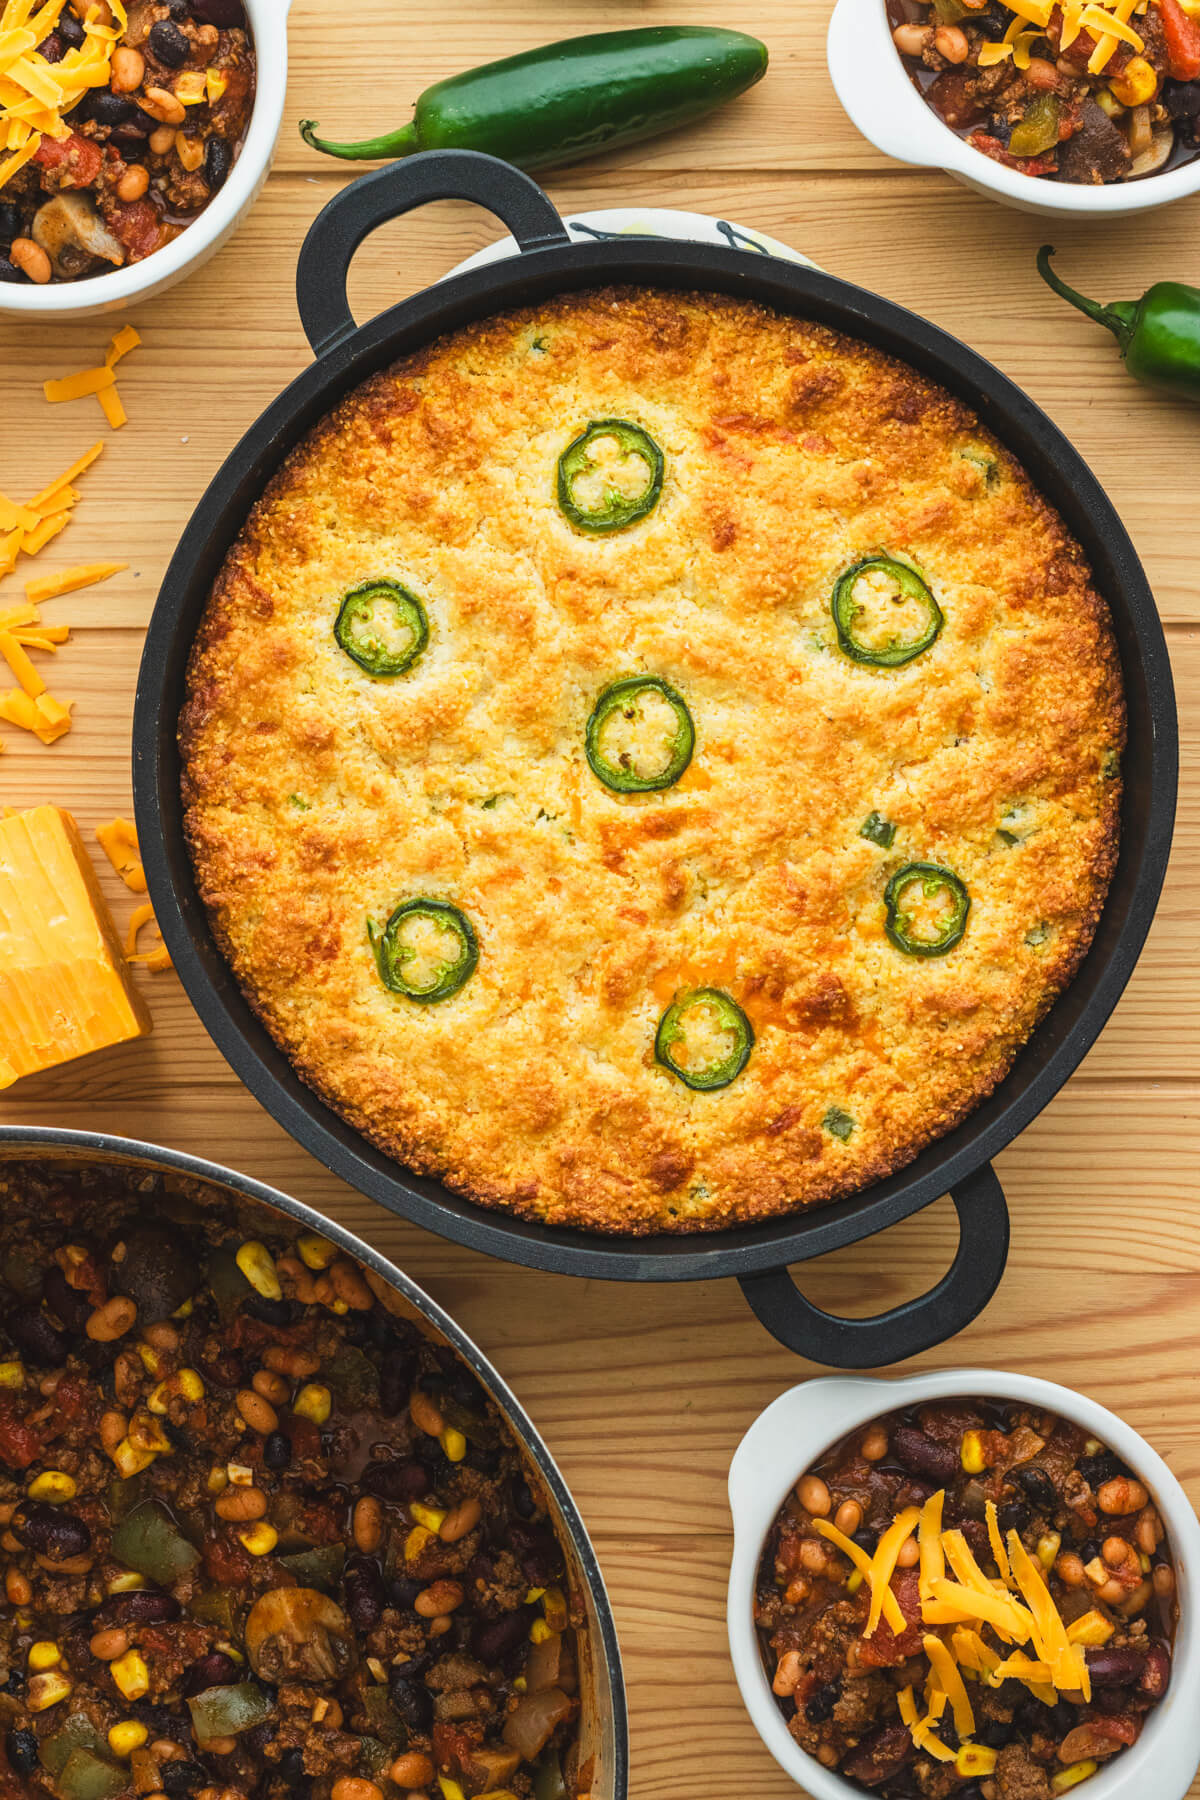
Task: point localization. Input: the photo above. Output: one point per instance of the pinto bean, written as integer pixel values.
(1121, 1496)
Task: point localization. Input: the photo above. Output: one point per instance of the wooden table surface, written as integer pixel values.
(643, 1393)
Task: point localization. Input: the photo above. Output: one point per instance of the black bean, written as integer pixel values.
(1090, 1551)
(51, 1531)
(183, 1777)
(411, 1699)
(268, 1312)
(467, 1392)
(362, 1584)
(399, 1370)
(820, 1706)
(10, 272)
(402, 1594)
(491, 1639)
(169, 44)
(1096, 1470)
(993, 1733)
(70, 31)
(179, 9)
(291, 1766)
(144, 1607)
(13, 1683)
(135, 129)
(1014, 1517)
(10, 222)
(226, 14)
(483, 1458)
(522, 1499)
(277, 1450)
(22, 1748)
(1037, 1487)
(65, 1302)
(396, 1480)
(867, 1539)
(36, 1338)
(107, 108)
(921, 1456)
(257, 1738)
(214, 1670)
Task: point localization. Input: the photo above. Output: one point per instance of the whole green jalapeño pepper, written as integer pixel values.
(865, 633)
(610, 476)
(427, 950)
(640, 736)
(382, 627)
(923, 936)
(575, 98)
(725, 1035)
(1158, 335)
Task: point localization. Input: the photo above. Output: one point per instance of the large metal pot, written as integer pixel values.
(959, 1163)
(604, 1724)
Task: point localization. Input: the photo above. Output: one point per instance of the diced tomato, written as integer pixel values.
(139, 228)
(20, 1444)
(227, 1561)
(74, 162)
(1030, 165)
(884, 1650)
(454, 1746)
(1183, 41)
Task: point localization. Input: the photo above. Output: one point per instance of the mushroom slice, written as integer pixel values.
(74, 236)
(1149, 162)
(298, 1634)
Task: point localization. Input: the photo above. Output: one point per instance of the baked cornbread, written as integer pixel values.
(718, 998)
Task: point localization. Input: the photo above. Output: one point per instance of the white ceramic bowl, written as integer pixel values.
(794, 1432)
(874, 86)
(131, 285)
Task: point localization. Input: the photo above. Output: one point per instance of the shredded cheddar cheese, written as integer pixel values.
(1105, 21)
(36, 94)
(118, 840)
(50, 587)
(100, 381)
(883, 1563)
(865, 1566)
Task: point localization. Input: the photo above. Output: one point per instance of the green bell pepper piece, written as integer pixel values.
(150, 1542)
(221, 1712)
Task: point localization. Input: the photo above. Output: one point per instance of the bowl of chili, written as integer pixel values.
(237, 181)
(813, 1427)
(876, 87)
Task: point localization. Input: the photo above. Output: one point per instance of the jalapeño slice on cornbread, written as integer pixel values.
(885, 612)
(382, 627)
(640, 736)
(427, 950)
(705, 1039)
(927, 909)
(610, 476)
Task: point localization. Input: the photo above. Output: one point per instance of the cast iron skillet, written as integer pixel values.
(551, 264)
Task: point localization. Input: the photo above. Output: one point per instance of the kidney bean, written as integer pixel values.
(492, 1639)
(51, 1531)
(214, 1670)
(144, 1608)
(396, 1480)
(225, 14)
(366, 1598)
(921, 1456)
(1156, 1673)
(881, 1755)
(36, 1338)
(411, 1699)
(64, 1301)
(1115, 1668)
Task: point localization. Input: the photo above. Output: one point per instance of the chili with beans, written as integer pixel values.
(1052, 92)
(141, 157)
(261, 1536)
(968, 1599)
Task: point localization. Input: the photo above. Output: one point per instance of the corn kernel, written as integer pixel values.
(854, 1581)
(130, 1459)
(217, 1481)
(415, 1542)
(340, 1306)
(1108, 103)
(191, 1384)
(145, 1433)
(46, 1690)
(240, 1474)
(1069, 1778)
(975, 1759)
(377, 1669)
(314, 1402)
(450, 1789)
(260, 1538)
(131, 1675)
(215, 84)
(54, 1486)
(125, 1738)
(532, 1596)
(539, 1632)
(258, 1266)
(453, 1443)
(1093, 1447)
(1136, 84)
(127, 1582)
(1048, 1548)
(44, 1655)
(1144, 1562)
(152, 1361)
(1092, 1630)
(185, 1311)
(432, 1517)
(520, 1685)
(554, 1608)
(12, 1375)
(160, 1399)
(315, 1252)
(972, 1453)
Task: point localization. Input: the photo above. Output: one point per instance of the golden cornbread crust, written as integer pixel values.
(317, 796)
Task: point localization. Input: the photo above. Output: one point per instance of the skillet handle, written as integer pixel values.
(919, 1324)
(364, 205)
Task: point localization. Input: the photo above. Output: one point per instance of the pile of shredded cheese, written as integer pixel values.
(24, 530)
(957, 1600)
(1107, 21)
(102, 381)
(34, 93)
(118, 840)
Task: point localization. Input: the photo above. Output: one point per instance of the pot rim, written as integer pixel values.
(796, 1428)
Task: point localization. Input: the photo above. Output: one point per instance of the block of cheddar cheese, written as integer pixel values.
(65, 988)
